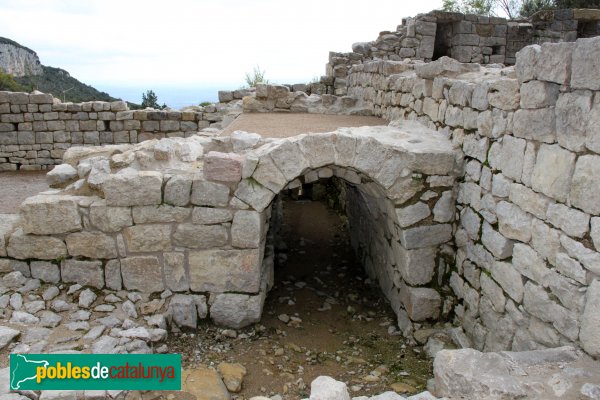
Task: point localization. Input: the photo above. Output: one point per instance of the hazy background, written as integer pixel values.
(186, 50)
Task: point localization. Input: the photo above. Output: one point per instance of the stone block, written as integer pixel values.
(254, 194)
(209, 194)
(289, 159)
(526, 64)
(572, 115)
(133, 189)
(175, 275)
(585, 64)
(208, 216)
(109, 219)
(538, 94)
(584, 186)
(412, 214)
(504, 94)
(45, 271)
(590, 320)
(236, 310)
(509, 279)
(552, 172)
(554, 63)
(225, 270)
(177, 190)
(160, 214)
(417, 266)
(91, 245)
(588, 258)
(471, 222)
(142, 273)
(200, 236)
(85, 273)
(50, 214)
(425, 236)
(513, 222)
(528, 200)
(444, 208)
(538, 124)
(493, 293)
(497, 244)
(182, 309)
(571, 221)
(595, 232)
(247, 229)
(268, 175)
(420, 303)
(24, 247)
(112, 275)
(318, 149)
(529, 263)
(511, 157)
(223, 167)
(147, 238)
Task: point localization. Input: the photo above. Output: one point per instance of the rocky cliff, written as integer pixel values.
(18, 60)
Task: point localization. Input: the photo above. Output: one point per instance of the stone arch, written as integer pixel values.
(402, 201)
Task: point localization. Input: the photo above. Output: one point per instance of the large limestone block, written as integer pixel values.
(512, 156)
(204, 384)
(554, 63)
(537, 302)
(586, 64)
(509, 279)
(268, 175)
(573, 222)
(326, 388)
(223, 167)
(247, 229)
(141, 188)
(536, 124)
(8, 223)
(318, 149)
(50, 214)
(175, 274)
(85, 273)
(254, 194)
(590, 320)
(497, 244)
(412, 214)
(572, 114)
(177, 190)
(538, 94)
(145, 238)
(24, 247)
(504, 94)
(415, 266)
(142, 273)
(225, 270)
(289, 159)
(525, 66)
(157, 214)
(585, 193)
(200, 236)
(212, 194)
(208, 215)
(513, 222)
(236, 310)
(420, 303)
(183, 310)
(109, 219)
(529, 263)
(552, 172)
(91, 245)
(425, 236)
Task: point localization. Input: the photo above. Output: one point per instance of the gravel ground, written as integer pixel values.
(286, 125)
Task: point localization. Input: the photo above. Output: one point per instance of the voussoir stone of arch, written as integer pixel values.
(289, 159)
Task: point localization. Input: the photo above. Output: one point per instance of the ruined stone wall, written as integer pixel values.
(527, 267)
(36, 129)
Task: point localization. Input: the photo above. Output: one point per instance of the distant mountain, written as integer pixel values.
(24, 66)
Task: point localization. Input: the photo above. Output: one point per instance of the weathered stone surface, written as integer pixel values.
(183, 311)
(538, 124)
(420, 303)
(142, 273)
(289, 159)
(590, 320)
(236, 310)
(493, 292)
(45, 271)
(552, 172)
(529, 263)
(509, 279)
(246, 230)
(139, 188)
(158, 214)
(588, 258)
(49, 214)
(109, 219)
(254, 194)
(326, 388)
(528, 200)
(444, 209)
(225, 270)
(200, 236)
(526, 64)
(537, 302)
(537, 94)
(244, 140)
(554, 63)
(91, 245)
(7, 335)
(233, 375)
(504, 94)
(586, 181)
(425, 236)
(514, 223)
(572, 114)
(207, 215)
(585, 64)
(178, 190)
(86, 273)
(145, 238)
(112, 275)
(569, 220)
(209, 194)
(595, 232)
(415, 266)
(412, 214)
(268, 175)
(175, 276)
(497, 244)
(24, 247)
(60, 175)
(223, 167)
(204, 384)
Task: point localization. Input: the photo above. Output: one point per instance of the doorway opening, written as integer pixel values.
(443, 40)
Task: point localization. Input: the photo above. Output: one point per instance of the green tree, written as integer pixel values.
(150, 99)
(256, 76)
(530, 7)
(478, 7)
(7, 82)
(577, 3)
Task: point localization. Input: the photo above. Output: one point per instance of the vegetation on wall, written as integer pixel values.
(7, 82)
(256, 76)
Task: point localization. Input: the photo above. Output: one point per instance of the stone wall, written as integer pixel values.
(36, 128)
(192, 215)
(527, 266)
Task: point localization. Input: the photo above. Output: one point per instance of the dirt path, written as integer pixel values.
(286, 125)
(17, 186)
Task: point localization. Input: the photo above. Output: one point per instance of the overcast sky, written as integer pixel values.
(178, 42)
